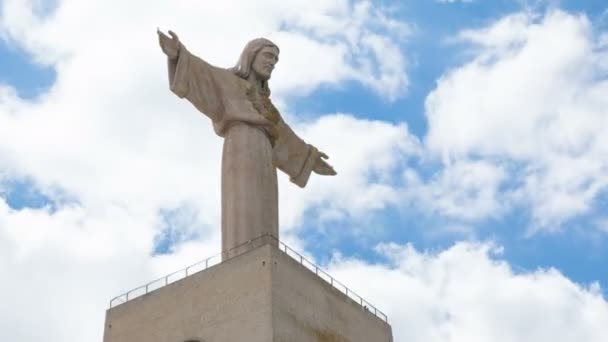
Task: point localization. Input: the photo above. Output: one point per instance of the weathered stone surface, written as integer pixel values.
(307, 308)
(263, 295)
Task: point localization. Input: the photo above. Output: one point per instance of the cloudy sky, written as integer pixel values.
(470, 138)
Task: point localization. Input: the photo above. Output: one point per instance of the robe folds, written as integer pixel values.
(255, 144)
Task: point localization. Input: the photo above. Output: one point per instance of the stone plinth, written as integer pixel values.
(259, 296)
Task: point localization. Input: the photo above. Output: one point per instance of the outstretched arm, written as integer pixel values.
(297, 158)
(191, 77)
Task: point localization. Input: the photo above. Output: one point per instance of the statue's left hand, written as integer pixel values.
(321, 167)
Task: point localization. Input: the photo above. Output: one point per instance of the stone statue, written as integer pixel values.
(256, 139)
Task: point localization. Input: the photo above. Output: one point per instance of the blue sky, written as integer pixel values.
(427, 167)
(18, 70)
(579, 254)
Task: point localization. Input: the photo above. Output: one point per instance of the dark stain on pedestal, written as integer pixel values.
(329, 336)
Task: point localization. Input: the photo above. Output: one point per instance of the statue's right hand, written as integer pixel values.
(169, 45)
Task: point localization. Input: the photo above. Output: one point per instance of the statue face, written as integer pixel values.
(264, 62)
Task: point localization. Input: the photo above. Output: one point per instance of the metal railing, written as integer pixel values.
(247, 246)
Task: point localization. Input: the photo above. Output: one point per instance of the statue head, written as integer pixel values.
(259, 56)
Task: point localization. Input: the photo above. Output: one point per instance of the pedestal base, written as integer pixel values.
(260, 296)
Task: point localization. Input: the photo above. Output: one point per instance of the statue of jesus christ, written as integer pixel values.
(256, 139)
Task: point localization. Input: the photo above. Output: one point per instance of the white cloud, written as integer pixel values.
(380, 148)
(602, 224)
(466, 293)
(111, 137)
(65, 266)
(533, 95)
(334, 35)
(110, 117)
(464, 190)
(114, 149)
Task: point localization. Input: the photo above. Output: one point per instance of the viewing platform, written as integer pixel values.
(261, 291)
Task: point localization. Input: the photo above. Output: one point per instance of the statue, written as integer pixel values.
(256, 139)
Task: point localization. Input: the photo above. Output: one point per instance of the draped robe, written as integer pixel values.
(256, 142)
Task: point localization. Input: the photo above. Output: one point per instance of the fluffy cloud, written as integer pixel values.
(384, 151)
(110, 117)
(533, 95)
(466, 293)
(65, 265)
(121, 159)
(465, 190)
(344, 40)
(125, 164)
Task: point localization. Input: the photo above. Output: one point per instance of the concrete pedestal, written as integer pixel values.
(262, 295)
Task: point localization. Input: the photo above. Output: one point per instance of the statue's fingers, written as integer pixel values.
(327, 168)
(323, 155)
(331, 171)
(324, 169)
(173, 35)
